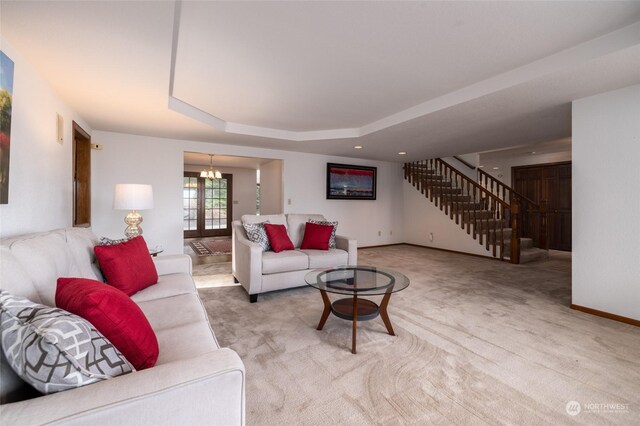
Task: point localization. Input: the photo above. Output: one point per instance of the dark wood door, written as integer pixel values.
(81, 176)
(550, 182)
(207, 206)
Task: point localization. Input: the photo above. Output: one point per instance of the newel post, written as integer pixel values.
(515, 231)
(544, 240)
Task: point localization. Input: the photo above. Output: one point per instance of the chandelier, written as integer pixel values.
(211, 174)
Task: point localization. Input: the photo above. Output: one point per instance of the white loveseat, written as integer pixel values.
(194, 380)
(261, 272)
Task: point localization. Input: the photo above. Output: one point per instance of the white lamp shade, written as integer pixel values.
(129, 196)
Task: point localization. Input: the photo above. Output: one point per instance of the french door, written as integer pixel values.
(207, 207)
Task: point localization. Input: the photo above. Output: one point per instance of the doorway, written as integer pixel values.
(81, 152)
(207, 205)
(550, 182)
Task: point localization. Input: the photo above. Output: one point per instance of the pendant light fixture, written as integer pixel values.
(211, 174)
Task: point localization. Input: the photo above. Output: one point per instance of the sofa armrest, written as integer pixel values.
(247, 263)
(173, 264)
(208, 389)
(350, 246)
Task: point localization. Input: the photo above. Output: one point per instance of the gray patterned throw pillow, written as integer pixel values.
(257, 234)
(332, 239)
(104, 241)
(54, 350)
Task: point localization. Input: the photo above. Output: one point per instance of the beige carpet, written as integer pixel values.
(478, 342)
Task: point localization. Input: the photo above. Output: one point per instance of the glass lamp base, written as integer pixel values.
(133, 219)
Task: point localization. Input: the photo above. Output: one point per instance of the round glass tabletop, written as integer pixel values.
(361, 280)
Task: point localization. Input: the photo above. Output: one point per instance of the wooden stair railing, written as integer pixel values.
(469, 204)
(533, 216)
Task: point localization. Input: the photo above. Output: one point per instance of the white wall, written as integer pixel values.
(40, 173)
(422, 217)
(271, 186)
(606, 202)
(244, 188)
(160, 162)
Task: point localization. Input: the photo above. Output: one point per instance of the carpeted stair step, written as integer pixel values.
(532, 254)
(495, 235)
(458, 198)
(448, 190)
(525, 243)
(467, 206)
(470, 216)
(490, 223)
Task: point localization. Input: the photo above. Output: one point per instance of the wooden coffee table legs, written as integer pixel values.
(355, 324)
(384, 315)
(348, 309)
(327, 309)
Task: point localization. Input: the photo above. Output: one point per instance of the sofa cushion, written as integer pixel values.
(168, 285)
(257, 233)
(326, 258)
(127, 266)
(292, 260)
(81, 242)
(295, 226)
(332, 240)
(114, 314)
(185, 342)
(316, 236)
(278, 238)
(172, 312)
(45, 257)
(54, 350)
(278, 219)
(14, 277)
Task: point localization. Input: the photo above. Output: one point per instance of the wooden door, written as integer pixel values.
(81, 176)
(550, 182)
(207, 206)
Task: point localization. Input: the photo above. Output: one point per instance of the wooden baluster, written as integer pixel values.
(515, 225)
(467, 212)
(490, 215)
(443, 198)
(454, 182)
(495, 226)
(422, 177)
(481, 211)
(460, 185)
(430, 162)
(501, 232)
(544, 231)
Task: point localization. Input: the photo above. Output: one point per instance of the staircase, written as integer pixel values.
(492, 213)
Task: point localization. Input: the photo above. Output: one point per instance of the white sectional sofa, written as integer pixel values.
(194, 380)
(261, 272)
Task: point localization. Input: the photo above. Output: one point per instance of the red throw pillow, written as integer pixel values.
(278, 238)
(114, 314)
(127, 266)
(316, 236)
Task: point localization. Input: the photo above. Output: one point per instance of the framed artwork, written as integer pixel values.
(346, 182)
(6, 93)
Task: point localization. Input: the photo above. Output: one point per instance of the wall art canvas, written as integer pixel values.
(346, 182)
(6, 95)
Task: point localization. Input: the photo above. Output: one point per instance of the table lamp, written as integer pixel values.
(134, 197)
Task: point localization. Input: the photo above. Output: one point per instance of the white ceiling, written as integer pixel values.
(548, 147)
(199, 159)
(429, 78)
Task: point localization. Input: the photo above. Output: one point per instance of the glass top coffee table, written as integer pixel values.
(356, 282)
